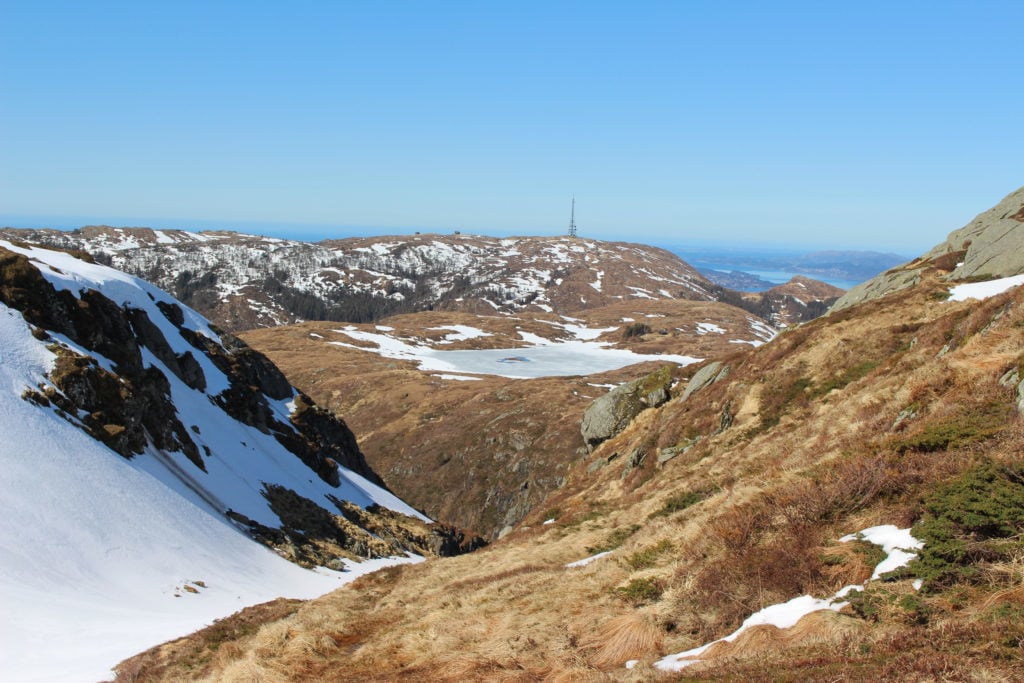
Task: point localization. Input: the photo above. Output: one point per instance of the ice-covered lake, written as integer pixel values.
(550, 359)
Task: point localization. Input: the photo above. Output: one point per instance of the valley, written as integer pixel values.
(606, 486)
(740, 497)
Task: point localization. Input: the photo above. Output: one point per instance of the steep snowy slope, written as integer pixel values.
(137, 446)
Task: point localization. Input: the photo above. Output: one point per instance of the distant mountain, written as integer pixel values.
(845, 265)
(729, 268)
(140, 447)
(737, 279)
(245, 281)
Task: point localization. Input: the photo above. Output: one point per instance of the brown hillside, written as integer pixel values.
(902, 411)
(481, 454)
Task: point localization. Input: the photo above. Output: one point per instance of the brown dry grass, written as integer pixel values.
(626, 637)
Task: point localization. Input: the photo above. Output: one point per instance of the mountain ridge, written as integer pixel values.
(248, 281)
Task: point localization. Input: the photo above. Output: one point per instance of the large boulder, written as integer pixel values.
(990, 246)
(706, 376)
(610, 414)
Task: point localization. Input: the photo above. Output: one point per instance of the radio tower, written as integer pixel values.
(572, 218)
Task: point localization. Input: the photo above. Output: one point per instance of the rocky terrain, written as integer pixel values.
(842, 502)
(245, 281)
(116, 377)
(800, 300)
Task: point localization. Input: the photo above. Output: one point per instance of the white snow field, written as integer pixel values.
(95, 550)
(984, 290)
(898, 545)
(544, 358)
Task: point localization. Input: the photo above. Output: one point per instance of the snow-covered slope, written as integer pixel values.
(244, 281)
(108, 547)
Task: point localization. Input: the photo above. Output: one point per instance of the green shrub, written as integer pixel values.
(977, 518)
(851, 374)
(551, 513)
(614, 540)
(679, 501)
(640, 591)
(648, 556)
(975, 423)
(778, 396)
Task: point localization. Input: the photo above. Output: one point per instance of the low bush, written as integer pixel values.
(648, 556)
(779, 395)
(635, 330)
(640, 591)
(614, 540)
(969, 425)
(680, 501)
(847, 376)
(976, 519)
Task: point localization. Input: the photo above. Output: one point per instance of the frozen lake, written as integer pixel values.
(553, 359)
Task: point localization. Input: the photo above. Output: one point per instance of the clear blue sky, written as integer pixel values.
(878, 125)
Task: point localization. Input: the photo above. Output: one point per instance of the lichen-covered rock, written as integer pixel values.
(610, 414)
(706, 376)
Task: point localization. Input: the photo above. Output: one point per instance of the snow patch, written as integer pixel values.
(709, 328)
(587, 560)
(984, 290)
(894, 541)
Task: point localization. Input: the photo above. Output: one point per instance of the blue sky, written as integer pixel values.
(874, 125)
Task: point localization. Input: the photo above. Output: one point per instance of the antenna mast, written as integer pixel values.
(572, 218)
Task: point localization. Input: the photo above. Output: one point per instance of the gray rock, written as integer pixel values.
(990, 246)
(879, 286)
(610, 414)
(666, 454)
(706, 376)
(994, 242)
(1020, 398)
(1009, 379)
(635, 460)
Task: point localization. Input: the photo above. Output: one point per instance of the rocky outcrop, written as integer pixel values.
(990, 246)
(706, 376)
(993, 243)
(879, 286)
(143, 387)
(610, 414)
(132, 405)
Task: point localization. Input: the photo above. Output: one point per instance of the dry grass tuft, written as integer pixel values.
(629, 636)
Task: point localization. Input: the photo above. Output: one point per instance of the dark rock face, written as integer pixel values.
(610, 414)
(128, 405)
(330, 439)
(133, 405)
(311, 535)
